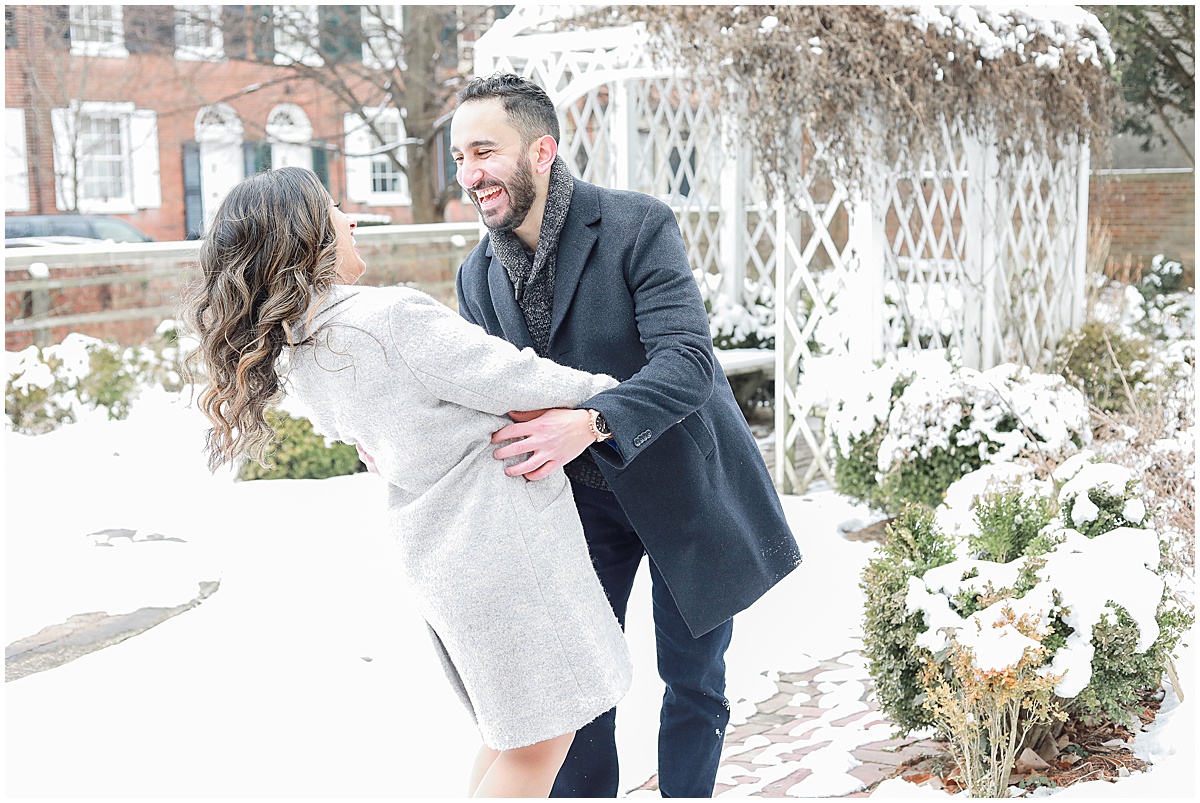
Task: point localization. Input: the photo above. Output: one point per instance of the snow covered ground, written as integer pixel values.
(308, 673)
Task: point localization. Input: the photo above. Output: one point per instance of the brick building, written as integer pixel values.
(151, 113)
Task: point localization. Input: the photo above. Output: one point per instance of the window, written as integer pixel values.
(296, 35)
(102, 175)
(198, 34)
(97, 31)
(382, 28)
(385, 177)
(371, 177)
(16, 162)
(106, 158)
(10, 29)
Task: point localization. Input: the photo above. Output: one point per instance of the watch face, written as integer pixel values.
(602, 425)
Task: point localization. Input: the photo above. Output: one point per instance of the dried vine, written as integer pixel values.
(872, 83)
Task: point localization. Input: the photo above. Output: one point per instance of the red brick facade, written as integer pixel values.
(1147, 213)
(175, 91)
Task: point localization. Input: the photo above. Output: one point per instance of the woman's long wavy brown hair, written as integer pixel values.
(268, 257)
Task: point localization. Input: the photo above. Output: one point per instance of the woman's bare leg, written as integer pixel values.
(483, 762)
(525, 771)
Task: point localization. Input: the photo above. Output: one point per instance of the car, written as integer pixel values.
(90, 227)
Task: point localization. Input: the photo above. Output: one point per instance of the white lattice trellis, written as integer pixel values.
(957, 248)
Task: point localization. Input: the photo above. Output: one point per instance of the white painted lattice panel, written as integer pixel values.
(958, 248)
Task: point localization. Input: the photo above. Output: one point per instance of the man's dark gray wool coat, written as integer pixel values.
(686, 469)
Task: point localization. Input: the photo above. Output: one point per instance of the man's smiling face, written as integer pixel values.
(494, 166)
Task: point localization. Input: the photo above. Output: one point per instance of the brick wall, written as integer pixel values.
(1146, 213)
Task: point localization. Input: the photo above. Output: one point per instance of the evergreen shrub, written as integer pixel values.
(1107, 622)
(300, 453)
(905, 431)
(1084, 358)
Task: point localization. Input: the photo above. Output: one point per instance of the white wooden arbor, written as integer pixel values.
(958, 248)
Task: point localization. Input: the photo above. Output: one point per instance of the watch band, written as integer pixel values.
(598, 426)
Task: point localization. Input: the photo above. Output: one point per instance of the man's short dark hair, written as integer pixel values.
(529, 108)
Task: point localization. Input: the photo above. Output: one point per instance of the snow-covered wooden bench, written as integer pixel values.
(747, 370)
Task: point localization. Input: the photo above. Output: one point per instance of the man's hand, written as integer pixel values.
(555, 438)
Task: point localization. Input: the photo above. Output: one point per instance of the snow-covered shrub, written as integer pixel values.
(59, 384)
(912, 547)
(300, 453)
(903, 432)
(979, 704)
(36, 394)
(737, 326)
(1106, 619)
(1164, 277)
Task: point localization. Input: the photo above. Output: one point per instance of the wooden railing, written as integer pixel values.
(50, 290)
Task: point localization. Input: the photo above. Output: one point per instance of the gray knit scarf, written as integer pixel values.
(533, 274)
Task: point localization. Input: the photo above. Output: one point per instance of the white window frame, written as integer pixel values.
(378, 39)
(192, 19)
(16, 162)
(87, 47)
(139, 157)
(302, 46)
(360, 140)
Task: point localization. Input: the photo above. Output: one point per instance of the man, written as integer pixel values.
(664, 464)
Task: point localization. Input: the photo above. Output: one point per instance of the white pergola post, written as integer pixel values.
(787, 354)
(1078, 298)
(867, 208)
(983, 236)
(735, 174)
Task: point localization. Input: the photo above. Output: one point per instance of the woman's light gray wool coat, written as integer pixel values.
(499, 563)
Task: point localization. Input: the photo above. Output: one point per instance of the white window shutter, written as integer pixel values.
(403, 154)
(147, 183)
(62, 122)
(358, 170)
(16, 162)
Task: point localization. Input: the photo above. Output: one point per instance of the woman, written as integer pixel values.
(500, 565)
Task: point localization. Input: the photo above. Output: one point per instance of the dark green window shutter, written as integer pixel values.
(193, 199)
(257, 156)
(263, 27)
(341, 32)
(233, 31)
(321, 165)
(149, 28)
(58, 26)
(448, 38)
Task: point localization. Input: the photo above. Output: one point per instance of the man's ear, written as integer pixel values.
(545, 149)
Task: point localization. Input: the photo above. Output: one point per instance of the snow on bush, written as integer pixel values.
(1092, 602)
(904, 431)
(749, 325)
(81, 376)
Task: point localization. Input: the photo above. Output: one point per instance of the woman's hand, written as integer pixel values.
(368, 461)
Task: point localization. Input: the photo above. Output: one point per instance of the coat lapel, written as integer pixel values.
(512, 321)
(574, 245)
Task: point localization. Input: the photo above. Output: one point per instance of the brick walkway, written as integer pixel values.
(819, 736)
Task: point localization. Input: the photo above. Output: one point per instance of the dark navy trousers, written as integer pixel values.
(694, 710)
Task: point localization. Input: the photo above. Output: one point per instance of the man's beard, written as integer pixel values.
(521, 195)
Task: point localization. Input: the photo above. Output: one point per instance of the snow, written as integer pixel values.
(309, 673)
(994, 30)
(1081, 579)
